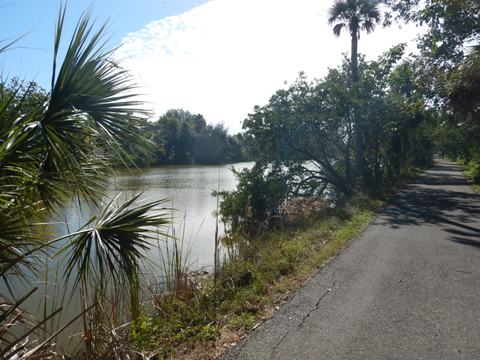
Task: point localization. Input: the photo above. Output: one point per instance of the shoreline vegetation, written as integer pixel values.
(179, 137)
(327, 152)
(204, 318)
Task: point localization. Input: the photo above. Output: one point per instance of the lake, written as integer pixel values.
(189, 191)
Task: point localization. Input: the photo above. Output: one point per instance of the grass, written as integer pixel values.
(471, 170)
(257, 277)
(476, 188)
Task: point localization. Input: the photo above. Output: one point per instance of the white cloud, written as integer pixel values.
(222, 58)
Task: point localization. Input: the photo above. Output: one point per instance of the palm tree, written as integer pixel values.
(355, 15)
(60, 145)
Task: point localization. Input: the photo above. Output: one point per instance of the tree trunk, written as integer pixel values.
(354, 55)
(348, 150)
(359, 150)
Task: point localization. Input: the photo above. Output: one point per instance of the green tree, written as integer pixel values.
(308, 127)
(355, 16)
(186, 138)
(210, 145)
(450, 62)
(450, 25)
(394, 106)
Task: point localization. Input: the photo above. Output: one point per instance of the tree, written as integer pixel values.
(398, 130)
(355, 15)
(450, 25)
(185, 138)
(450, 60)
(306, 130)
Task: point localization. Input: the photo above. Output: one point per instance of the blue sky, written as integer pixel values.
(218, 58)
(32, 56)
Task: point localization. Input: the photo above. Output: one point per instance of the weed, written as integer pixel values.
(242, 322)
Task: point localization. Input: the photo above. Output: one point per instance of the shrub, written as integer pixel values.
(258, 196)
(299, 209)
(473, 171)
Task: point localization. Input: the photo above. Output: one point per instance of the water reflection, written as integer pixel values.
(189, 190)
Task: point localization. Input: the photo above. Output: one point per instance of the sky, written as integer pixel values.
(219, 58)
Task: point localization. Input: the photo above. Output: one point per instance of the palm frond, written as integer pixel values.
(56, 146)
(59, 145)
(8, 44)
(113, 248)
(17, 236)
(337, 29)
(368, 26)
(338, 11)
(90, 82)
(90, 112)
(358, 14)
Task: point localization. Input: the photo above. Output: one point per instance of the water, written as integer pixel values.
(188, 189)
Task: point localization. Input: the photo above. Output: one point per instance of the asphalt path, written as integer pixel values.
(407, 288)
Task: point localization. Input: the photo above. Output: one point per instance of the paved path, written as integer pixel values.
(408, 288)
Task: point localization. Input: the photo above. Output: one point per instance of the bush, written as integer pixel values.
(258, 196)
(473, 171)
(298, 209)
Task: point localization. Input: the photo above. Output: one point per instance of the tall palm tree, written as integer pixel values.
(355, 15)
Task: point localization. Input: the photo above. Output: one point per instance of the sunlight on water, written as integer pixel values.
(189, 192)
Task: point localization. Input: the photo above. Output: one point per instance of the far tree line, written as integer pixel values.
(178, 137)
(181, 137)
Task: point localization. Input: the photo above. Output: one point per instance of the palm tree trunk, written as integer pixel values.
(359, 150)
(354, 59)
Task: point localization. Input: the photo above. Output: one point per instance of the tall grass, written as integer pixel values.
(174, 252)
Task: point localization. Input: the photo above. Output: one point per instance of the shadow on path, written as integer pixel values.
(439, 197)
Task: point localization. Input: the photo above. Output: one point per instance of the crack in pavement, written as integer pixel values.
(305, 317)
(299, 326)
(279, 343)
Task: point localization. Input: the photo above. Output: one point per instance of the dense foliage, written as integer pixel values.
(304, 137)
(450, 57)
(358, 128)
(181, 137)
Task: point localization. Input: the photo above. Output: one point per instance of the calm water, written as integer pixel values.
(189, 191)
